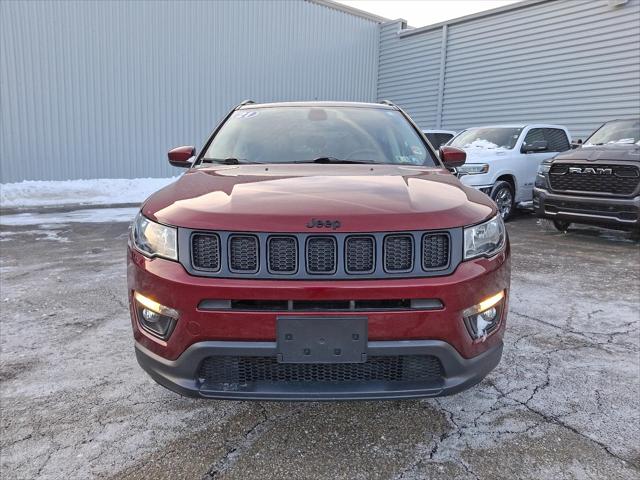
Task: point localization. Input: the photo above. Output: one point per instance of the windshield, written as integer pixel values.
(618, 131)
(305, 134)
(487, 138)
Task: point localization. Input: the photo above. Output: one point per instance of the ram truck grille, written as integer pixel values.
(610, 179)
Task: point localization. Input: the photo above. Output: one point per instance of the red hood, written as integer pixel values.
(284, 198)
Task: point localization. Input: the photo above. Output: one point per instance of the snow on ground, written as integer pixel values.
(90, 215)
(32, 193)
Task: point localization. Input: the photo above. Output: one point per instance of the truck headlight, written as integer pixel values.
(154, 239)
(485, 239)
(473, 168)
(544, 168)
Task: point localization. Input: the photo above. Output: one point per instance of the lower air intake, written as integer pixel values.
(247, 370)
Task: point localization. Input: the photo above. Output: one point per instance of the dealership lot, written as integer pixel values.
(563, 403)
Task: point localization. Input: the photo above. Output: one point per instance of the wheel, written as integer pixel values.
(502, 194)
(561, 225)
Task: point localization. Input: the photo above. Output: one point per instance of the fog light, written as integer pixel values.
(154, 317)
(482, 318)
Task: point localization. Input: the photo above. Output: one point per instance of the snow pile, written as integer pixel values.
(90, 215)
(481, 143)
(31, 193)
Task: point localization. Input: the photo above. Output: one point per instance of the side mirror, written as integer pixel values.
(576, 144)
(181, 156)
(452, 157)
(536, 146)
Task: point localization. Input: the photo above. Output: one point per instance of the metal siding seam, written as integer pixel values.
(441, 81)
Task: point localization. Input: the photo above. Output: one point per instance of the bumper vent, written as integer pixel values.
(615, 179)
(321, 255)
(244, 371)
(398, 253)
(283, 255)
(360, 255)
(435, 251)
(243, 254)
(205, 251)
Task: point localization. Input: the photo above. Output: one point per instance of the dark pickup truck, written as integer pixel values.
(597, 183)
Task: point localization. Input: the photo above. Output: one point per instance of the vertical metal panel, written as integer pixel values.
(104, 89)
(409, 70)
(569, 62)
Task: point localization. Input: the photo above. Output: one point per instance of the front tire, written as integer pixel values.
(502, 194)
(561, 225)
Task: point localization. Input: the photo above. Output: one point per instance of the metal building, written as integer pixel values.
(104, 89)
(571, 62)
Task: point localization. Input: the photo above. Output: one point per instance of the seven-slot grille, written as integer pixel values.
(371, 255)
(623, 179)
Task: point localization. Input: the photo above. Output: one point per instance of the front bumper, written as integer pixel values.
(609, 212)
(244, 334)
(181, 375)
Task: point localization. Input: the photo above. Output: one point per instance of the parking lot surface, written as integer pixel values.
(563, 403)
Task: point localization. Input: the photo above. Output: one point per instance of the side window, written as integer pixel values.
(534, 135)
(556, 139)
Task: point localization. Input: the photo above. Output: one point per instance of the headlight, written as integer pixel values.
(544, 168)
(473, 168)
(484, 239)
(153, 239)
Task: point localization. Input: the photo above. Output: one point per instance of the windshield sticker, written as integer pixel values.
(246, 114)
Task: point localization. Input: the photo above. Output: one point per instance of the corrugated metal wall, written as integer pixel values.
(104, 89)
(574, 62)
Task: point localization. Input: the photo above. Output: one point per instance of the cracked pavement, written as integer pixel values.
(562, 404)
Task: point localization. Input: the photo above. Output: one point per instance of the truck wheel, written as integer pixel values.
(502, 194)
(561, 225)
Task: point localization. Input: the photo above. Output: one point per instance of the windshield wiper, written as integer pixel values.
(228, 161)
(331, 160)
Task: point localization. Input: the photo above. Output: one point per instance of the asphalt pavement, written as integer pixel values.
(563, 403)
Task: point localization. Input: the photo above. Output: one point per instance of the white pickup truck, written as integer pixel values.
(502, 160)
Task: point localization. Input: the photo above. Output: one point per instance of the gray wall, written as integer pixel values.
(574, 62)
(104, 89)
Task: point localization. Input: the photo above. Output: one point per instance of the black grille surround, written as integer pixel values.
(315, 256)
(623, 180)
(242, 371)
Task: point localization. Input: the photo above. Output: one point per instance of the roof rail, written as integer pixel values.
(246, 102)
(387, 102)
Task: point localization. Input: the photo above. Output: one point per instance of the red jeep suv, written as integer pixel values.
(318, 251)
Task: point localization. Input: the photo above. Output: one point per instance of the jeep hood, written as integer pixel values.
(284, 198)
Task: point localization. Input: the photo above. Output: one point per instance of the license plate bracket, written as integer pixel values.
(321, 339)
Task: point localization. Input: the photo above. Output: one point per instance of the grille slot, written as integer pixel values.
(205, 251)
(623, 180)
(243, 371)
(360, 254)
(283, 255)
(321, 255)
(243, 254)
(435, 251)
(398, 253)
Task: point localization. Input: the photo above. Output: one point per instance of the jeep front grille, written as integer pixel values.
(623, 179)
(320, 256)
